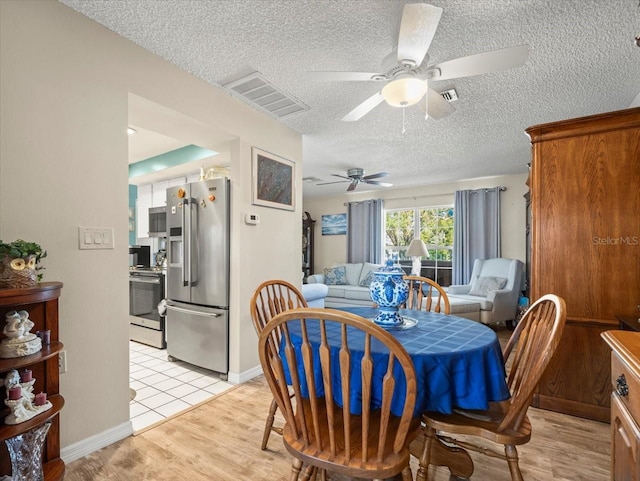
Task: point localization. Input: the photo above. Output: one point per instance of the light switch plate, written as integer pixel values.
(95, 238)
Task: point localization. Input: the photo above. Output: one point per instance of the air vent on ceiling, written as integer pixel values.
(450, 95)
(258, 91)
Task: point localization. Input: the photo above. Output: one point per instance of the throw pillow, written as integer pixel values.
(366, 278)
(335, 276)
(481, 286)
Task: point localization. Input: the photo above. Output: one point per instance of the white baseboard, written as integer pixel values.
(95, 442)
(245, 376)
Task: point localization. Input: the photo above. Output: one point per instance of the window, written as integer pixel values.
(434, 226)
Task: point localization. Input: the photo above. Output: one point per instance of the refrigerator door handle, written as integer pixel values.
(195, 313)
(186, 250)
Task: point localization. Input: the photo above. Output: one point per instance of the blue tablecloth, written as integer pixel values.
(458, 362)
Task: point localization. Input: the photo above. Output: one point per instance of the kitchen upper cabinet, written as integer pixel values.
(177, 181)
(159, 193)
(143, 203)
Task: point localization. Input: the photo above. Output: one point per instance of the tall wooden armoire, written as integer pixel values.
(585, 247)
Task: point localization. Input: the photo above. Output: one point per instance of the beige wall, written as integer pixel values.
(64, 86)
(332, 249)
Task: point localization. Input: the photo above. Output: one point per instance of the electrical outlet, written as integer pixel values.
(62, 361)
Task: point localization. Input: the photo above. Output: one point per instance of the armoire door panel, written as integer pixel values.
(585, 245)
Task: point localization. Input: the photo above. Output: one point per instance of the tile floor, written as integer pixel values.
(164, 388)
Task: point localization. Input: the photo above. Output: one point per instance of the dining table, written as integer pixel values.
(458, 364)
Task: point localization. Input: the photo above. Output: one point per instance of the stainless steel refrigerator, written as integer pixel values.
(197, 318)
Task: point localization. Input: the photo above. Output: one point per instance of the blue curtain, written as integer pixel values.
(364, 231)
(476, 230)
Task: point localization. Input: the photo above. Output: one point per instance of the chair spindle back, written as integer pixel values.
(313, 346)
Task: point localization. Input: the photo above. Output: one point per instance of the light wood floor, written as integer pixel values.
(220, 441)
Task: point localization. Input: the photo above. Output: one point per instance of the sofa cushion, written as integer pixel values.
(336, 291)
(367, 274)
(481, 286)
(335, 276)
(484, 304)
(353, 272)
(358, 293)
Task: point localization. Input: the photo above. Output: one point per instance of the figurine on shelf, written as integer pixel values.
(19, 341)
(20, 399)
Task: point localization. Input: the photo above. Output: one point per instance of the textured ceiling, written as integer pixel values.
(582, 61)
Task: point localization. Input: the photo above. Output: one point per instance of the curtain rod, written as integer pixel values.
(416, 197)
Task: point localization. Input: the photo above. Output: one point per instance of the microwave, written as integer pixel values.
(158, 222)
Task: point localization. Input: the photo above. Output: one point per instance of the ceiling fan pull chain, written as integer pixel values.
(403, 129)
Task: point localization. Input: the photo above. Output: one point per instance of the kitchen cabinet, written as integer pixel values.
(41, 302)
(625, 404)
(585, 208)
(159, 193)
(143, 203)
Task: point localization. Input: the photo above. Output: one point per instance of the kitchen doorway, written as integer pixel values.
(161, 389)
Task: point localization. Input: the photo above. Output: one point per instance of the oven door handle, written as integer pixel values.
(144, 281)
(195, 313)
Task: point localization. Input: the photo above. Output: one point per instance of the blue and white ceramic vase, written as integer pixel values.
(389, 291)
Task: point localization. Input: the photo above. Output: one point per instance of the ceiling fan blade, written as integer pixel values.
(342, 177)
(376, 182)
(364, 108)
(417, 28)
(336, 182)
(436, 106)
(352, 186)
(376, 176)
(344, 76)
(494, 61)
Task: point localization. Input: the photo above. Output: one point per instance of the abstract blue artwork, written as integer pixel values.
(334, 224)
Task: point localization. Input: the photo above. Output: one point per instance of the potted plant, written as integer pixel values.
(20, 264)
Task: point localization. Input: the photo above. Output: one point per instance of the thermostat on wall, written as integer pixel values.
(253, 219)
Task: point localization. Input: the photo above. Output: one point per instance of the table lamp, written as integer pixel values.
(416, 250)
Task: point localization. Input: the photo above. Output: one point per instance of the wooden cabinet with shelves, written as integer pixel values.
(585, 206)
(41, 302)
(307, 245)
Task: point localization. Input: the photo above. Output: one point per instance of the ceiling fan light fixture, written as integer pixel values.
(404, 91)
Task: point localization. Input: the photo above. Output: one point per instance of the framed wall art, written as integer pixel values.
(273, 180)
(334, 224)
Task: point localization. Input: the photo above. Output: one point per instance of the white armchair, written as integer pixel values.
(495, 284)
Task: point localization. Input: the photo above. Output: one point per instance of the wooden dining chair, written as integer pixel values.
(424, 289)
(269, 299)
(335, 352)
(504, 423)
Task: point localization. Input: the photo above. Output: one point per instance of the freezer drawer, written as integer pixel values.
(198, 335)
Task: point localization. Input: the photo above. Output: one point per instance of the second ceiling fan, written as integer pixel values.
(356, 176)
(407, 78)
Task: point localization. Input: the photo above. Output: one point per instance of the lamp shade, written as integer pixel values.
(404, 91)
(417, 248)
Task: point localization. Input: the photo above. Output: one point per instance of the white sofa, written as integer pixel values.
(353, 289)
(495, 284)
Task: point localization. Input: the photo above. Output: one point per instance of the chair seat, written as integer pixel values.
(392, 464)
(480, 423)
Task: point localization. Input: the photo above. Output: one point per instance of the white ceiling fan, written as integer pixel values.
(356, 176)
(407, 73)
